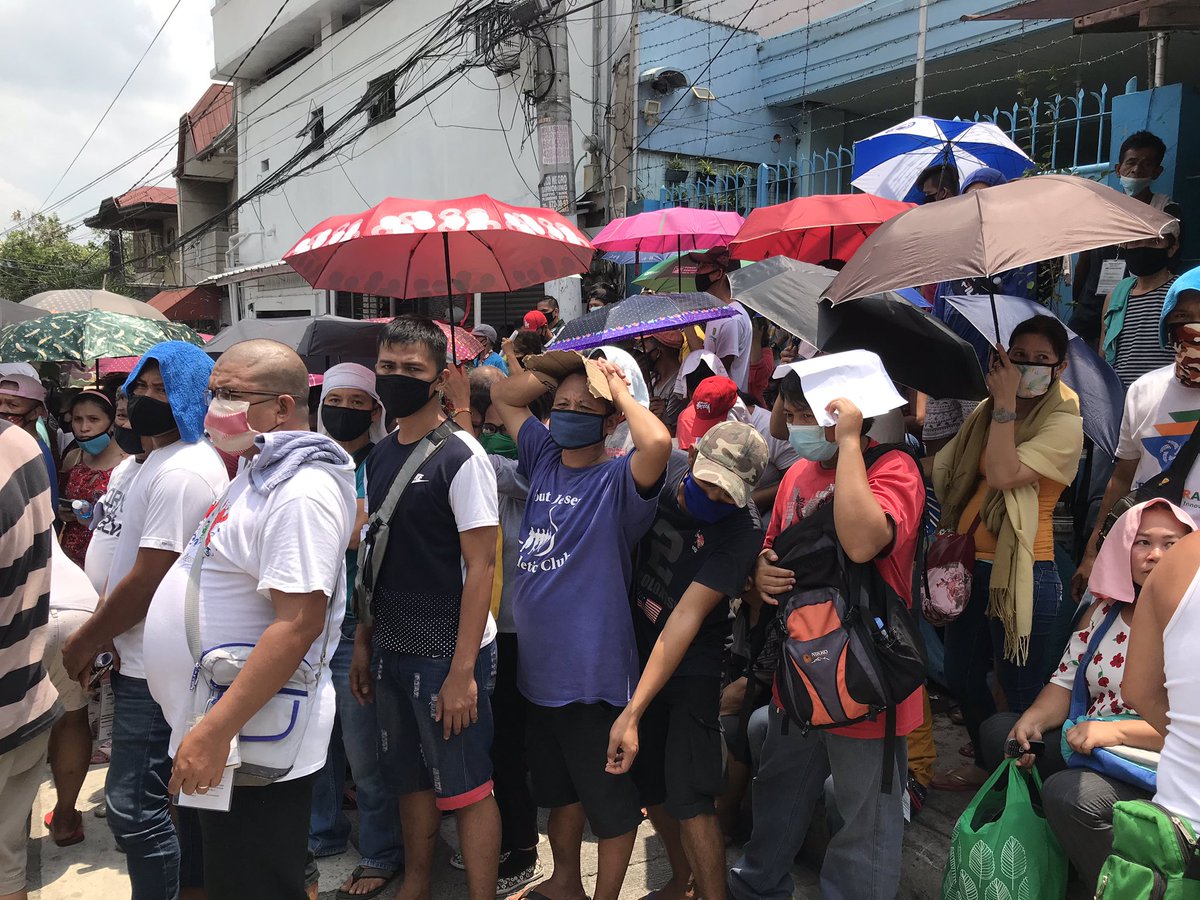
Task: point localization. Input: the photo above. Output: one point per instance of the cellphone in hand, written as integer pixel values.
(1013, 748)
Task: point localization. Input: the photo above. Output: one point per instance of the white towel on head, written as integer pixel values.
(360, 378)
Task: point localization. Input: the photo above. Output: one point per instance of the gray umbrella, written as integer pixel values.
(18, 312)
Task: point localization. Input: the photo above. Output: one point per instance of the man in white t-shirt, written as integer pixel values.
(165, 499)
(272, 577)
(729, 339)
(1161, 410)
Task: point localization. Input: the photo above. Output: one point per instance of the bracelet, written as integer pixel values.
(1003, 415)
(459, 410)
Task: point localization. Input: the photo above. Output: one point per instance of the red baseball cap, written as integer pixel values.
(534, 320)
(710, 406)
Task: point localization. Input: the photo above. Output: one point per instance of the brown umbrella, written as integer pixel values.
(990, 231)
(83, 299)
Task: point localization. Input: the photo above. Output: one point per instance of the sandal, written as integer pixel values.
(75, 837)
(964, 778)
(967, 750)
(387, 876)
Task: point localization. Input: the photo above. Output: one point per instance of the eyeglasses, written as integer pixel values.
(489, 428)
(234, 394)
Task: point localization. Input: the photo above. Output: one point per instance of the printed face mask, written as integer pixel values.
(572, 430)
(402, 395)
(1132, 186)
(701, 506)
(1187, 353)
(150, 417)
(228, 426)
(344, 423)
(1035, 379)
(809, 442)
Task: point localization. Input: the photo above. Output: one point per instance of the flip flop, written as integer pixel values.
(529, 894)
(955, 781)
(360, 872)
(75, 837)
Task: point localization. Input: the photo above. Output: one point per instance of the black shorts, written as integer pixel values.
(682, 725)
(567, 749)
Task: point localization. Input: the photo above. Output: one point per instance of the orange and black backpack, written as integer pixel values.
(850, 648)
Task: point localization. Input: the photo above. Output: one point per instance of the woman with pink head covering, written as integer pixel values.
(1078, 800)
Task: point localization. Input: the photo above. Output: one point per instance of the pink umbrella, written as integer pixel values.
(671, 230)
(465, 345)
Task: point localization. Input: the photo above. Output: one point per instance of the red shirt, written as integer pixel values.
(898, 487)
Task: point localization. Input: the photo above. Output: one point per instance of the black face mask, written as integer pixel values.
(402, 395)
(149, 417)
(693, 380)
(128, 440)
(344, 423)
(704, 281)
(1145, 260)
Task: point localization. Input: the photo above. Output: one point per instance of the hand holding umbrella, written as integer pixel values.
(1003, 379)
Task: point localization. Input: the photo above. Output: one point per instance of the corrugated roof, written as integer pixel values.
(146, 195)
(210, 116)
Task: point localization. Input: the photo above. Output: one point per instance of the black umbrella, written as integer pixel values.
(917, 350)
(318, 339)
(638, 315)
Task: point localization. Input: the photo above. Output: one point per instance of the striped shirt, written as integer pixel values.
(1138, 347)
(28, 701)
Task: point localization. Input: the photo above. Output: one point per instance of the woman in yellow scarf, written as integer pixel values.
(1000, 479)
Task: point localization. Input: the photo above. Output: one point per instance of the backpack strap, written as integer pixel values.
(1079, 689)
(370, 556)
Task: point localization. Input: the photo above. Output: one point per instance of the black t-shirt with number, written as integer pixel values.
(679, 550)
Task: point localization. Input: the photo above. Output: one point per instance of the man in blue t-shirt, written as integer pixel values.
(579, 662)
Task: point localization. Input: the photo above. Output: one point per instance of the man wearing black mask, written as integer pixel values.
(166, 499)
(1132, 310)
(432, 632)
(728, 339)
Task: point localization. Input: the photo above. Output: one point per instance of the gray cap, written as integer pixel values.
(487, 332)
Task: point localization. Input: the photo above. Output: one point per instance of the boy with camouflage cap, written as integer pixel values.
(698, 553)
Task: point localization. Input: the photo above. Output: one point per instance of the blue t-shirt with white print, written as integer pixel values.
(572, 599)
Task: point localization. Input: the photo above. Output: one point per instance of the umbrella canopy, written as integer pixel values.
(18, 312)
(813, 229)
(80, 300)
(987, 232)
(638, 315)
(431, 248)
(888, 163)
(671, 230)
(314, 337)
(1101, 394)
(916, 350)
(84, 337)
(674, 273)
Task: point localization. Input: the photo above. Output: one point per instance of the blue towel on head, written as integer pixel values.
(185, 372)
(1188, 281)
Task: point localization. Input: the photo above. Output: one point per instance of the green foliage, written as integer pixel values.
(39, 255)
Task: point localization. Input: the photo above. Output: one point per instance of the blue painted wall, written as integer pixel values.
(872, 39)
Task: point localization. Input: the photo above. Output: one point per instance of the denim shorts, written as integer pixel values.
(413, 755)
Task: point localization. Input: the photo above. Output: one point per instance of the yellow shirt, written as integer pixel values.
(985, 542)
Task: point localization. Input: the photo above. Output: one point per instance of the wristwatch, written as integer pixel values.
(1003, 415)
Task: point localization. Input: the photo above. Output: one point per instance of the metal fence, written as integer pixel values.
(1066, 133)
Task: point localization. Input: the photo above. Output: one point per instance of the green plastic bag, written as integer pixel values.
(1002, 847)
(1153, 856)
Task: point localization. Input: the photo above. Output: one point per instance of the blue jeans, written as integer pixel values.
(135, 790)
(862, 860)
(355, 739)
(974, 642)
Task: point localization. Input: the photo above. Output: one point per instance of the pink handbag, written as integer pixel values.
(949, 565)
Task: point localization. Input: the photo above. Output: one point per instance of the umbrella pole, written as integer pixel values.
(449, 296)
(995, 315)
(679, 261)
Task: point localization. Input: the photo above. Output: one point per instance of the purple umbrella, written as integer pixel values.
(638, 315)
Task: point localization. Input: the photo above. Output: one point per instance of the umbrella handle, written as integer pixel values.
(995, 315)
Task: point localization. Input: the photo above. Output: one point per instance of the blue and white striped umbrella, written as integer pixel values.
(887, 164)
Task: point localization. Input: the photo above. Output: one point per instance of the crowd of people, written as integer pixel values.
(602, 584)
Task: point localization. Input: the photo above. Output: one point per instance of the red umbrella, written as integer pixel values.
(465, 344)
(434, 248)
(813, 229)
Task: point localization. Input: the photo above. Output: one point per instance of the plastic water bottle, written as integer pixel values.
(82, 509)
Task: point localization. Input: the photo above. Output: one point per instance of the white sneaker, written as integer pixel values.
(505, 886)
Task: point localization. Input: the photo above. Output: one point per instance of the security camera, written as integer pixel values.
(664, 79)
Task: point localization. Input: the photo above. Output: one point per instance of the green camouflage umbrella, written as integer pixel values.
(675, 274)
(84, 337)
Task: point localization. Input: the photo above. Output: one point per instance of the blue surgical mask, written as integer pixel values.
(809, 442)
(572, 430)
(1133, 186)
(95, 445)
(701, 506)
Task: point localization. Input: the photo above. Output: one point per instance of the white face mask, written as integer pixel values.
(1133, 186)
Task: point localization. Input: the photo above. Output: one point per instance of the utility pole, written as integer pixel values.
(556, 189)
(919, 81)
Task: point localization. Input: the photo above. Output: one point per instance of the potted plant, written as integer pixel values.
(705, 168)
(677, 171)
